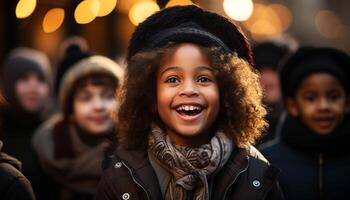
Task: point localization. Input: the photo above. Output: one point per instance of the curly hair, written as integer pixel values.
(241, 114)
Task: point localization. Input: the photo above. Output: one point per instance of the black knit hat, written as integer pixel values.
(269, 54)
(72, 55)
(189, 24)
(309, 60)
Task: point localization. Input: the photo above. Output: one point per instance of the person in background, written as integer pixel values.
(26, 103)
(267, 56)
(13, 184)
(71, 144)
(313, 150)
(190, 110)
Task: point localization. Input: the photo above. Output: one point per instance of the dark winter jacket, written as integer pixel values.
(247, 175)
(311, 167)
(13, 184)
(73, 164)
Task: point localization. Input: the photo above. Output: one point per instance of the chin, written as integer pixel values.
(189, 132)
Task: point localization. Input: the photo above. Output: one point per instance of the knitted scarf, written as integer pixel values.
(189, 167)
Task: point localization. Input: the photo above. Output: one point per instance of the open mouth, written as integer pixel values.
(189, 110)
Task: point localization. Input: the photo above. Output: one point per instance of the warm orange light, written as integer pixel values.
(239, 10)
(178, 3)
(284, 15)
(106, 7)
(328, 24)
(53, 20)
(266, 21)
(141, 10)
(25, 8)
(86, 11)
(124, 6)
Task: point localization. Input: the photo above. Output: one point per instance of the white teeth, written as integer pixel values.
(188, 108)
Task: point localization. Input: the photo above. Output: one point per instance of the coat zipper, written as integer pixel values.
(320, 183)
(233, 181)
(135, 181)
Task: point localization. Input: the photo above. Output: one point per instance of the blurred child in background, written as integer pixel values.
(267, 56)
(26, 103)
(71, 145)
(313, 150)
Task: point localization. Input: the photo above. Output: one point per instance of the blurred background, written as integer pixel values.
(108, 24)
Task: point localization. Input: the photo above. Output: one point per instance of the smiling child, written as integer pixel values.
(190, 110)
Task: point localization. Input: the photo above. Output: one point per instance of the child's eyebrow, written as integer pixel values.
(175, 68)
(202, 68)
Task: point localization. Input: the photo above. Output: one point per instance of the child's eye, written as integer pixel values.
(204, 79)
(334, 96)
(172, 80)
(109, 95)
(310, 97)
(83, 97)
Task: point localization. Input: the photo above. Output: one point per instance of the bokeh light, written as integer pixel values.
(328, 24)
(239, 10)
(124, 6)
(178, 3)
(25, 8)
(284, 15)
(86, 11)
(268, 21)
(106, 7)
(141, 10)
(53, 20)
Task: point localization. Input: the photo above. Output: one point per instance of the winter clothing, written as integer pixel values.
(246, 175)
(73, 53)
(308, 60)
(18, 125)
(83, 68)
(21, 61)
(187, 167)
(269, 54)
(13, 184)
(189, 24)
(67, 153)
(312, 166)
(66, 157)
(216, 170)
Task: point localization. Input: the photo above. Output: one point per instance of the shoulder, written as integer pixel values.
(13, 184)
(260, 166)
(276, 150)
(44, 133)
(117, 179)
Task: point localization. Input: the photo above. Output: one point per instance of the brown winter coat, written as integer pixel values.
(247, 175)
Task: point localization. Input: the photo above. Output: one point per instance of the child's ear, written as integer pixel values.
(292, 107)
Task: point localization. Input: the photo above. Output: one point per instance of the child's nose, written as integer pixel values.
(98, 103)
(189, 89)
(324, 103)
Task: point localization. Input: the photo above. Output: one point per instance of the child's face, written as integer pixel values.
(320, 102)
(32, 92)
(92, 106)
(270, 84)
(187, 95)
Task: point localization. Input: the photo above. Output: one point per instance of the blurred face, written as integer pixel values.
(320, 102)
(32, 92)
(270, 83)
(187, 95)
(92, 107)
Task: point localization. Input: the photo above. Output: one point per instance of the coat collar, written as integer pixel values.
(237, 164)
(142, 170)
